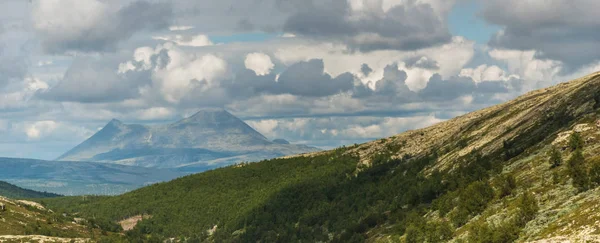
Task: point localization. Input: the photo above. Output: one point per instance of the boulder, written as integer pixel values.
(582, 127)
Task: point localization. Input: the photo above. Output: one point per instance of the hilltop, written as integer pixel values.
(525, 170)
(208, 139)
(12, 191)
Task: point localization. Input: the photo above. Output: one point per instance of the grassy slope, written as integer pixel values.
(21, 219)
(390, 189)
(12, 191)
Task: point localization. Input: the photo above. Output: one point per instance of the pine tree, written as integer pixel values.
(575, 141)
(594, 174)
(577, 170)
(555, 158)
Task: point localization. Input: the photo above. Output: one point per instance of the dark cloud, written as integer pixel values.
(309, 79)
(89, 81)
(106, 33)
(490, 87)
(247, 84)
(564, 30)
(443, 90)
(391, 88)
(13, 66)
(439, 90)
(410, 26)
(365, 69)
(393, 82)
(12, 69)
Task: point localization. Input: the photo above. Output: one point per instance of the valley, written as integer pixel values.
(483, 177)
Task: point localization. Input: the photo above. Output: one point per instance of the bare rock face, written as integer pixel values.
(210, 138)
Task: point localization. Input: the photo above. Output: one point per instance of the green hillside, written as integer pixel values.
(27, 221)
(525, 170)
(12, 191)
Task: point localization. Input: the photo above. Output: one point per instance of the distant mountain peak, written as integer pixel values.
(211, 113)
(210, 134)
(115, 122)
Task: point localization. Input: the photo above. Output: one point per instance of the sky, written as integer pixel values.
(324, 73)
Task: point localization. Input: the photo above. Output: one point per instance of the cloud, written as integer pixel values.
(526, 65)
(309, 79)
(12, 69)
(93, 25)
(338, 59)
(336, 131)
(91, 81)
(260, 63)
(439, 90)
(371, 25)
(485, 72)
(393, 84)
(183, 40)
(365, 69)
(180, 27)
(562, 30)
(37, 129)
(423, 63)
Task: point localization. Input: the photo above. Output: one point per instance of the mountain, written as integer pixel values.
(79, 178)
(208, 139)
(12, 191)
(526, 170)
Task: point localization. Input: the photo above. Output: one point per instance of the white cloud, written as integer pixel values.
(155, 113)
(260, 63)
(265, 127)
(451, 58)
(41, 128)
(486, 73)
(180, 72)
(180, 27)
(531, 69)
(196, 40)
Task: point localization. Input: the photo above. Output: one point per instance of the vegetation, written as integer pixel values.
(507, 231)
(12, 191)
(20, 218)
(577, 170)
(575, 141)
(461, 186)
(555, 158)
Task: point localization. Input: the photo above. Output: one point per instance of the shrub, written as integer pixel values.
(505, 184)
(594, 174)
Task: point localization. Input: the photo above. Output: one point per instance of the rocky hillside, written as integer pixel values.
(527, 170)
(208, 139)
(26, 221)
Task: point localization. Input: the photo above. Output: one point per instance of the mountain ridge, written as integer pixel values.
(207, 138)
(80, 178)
